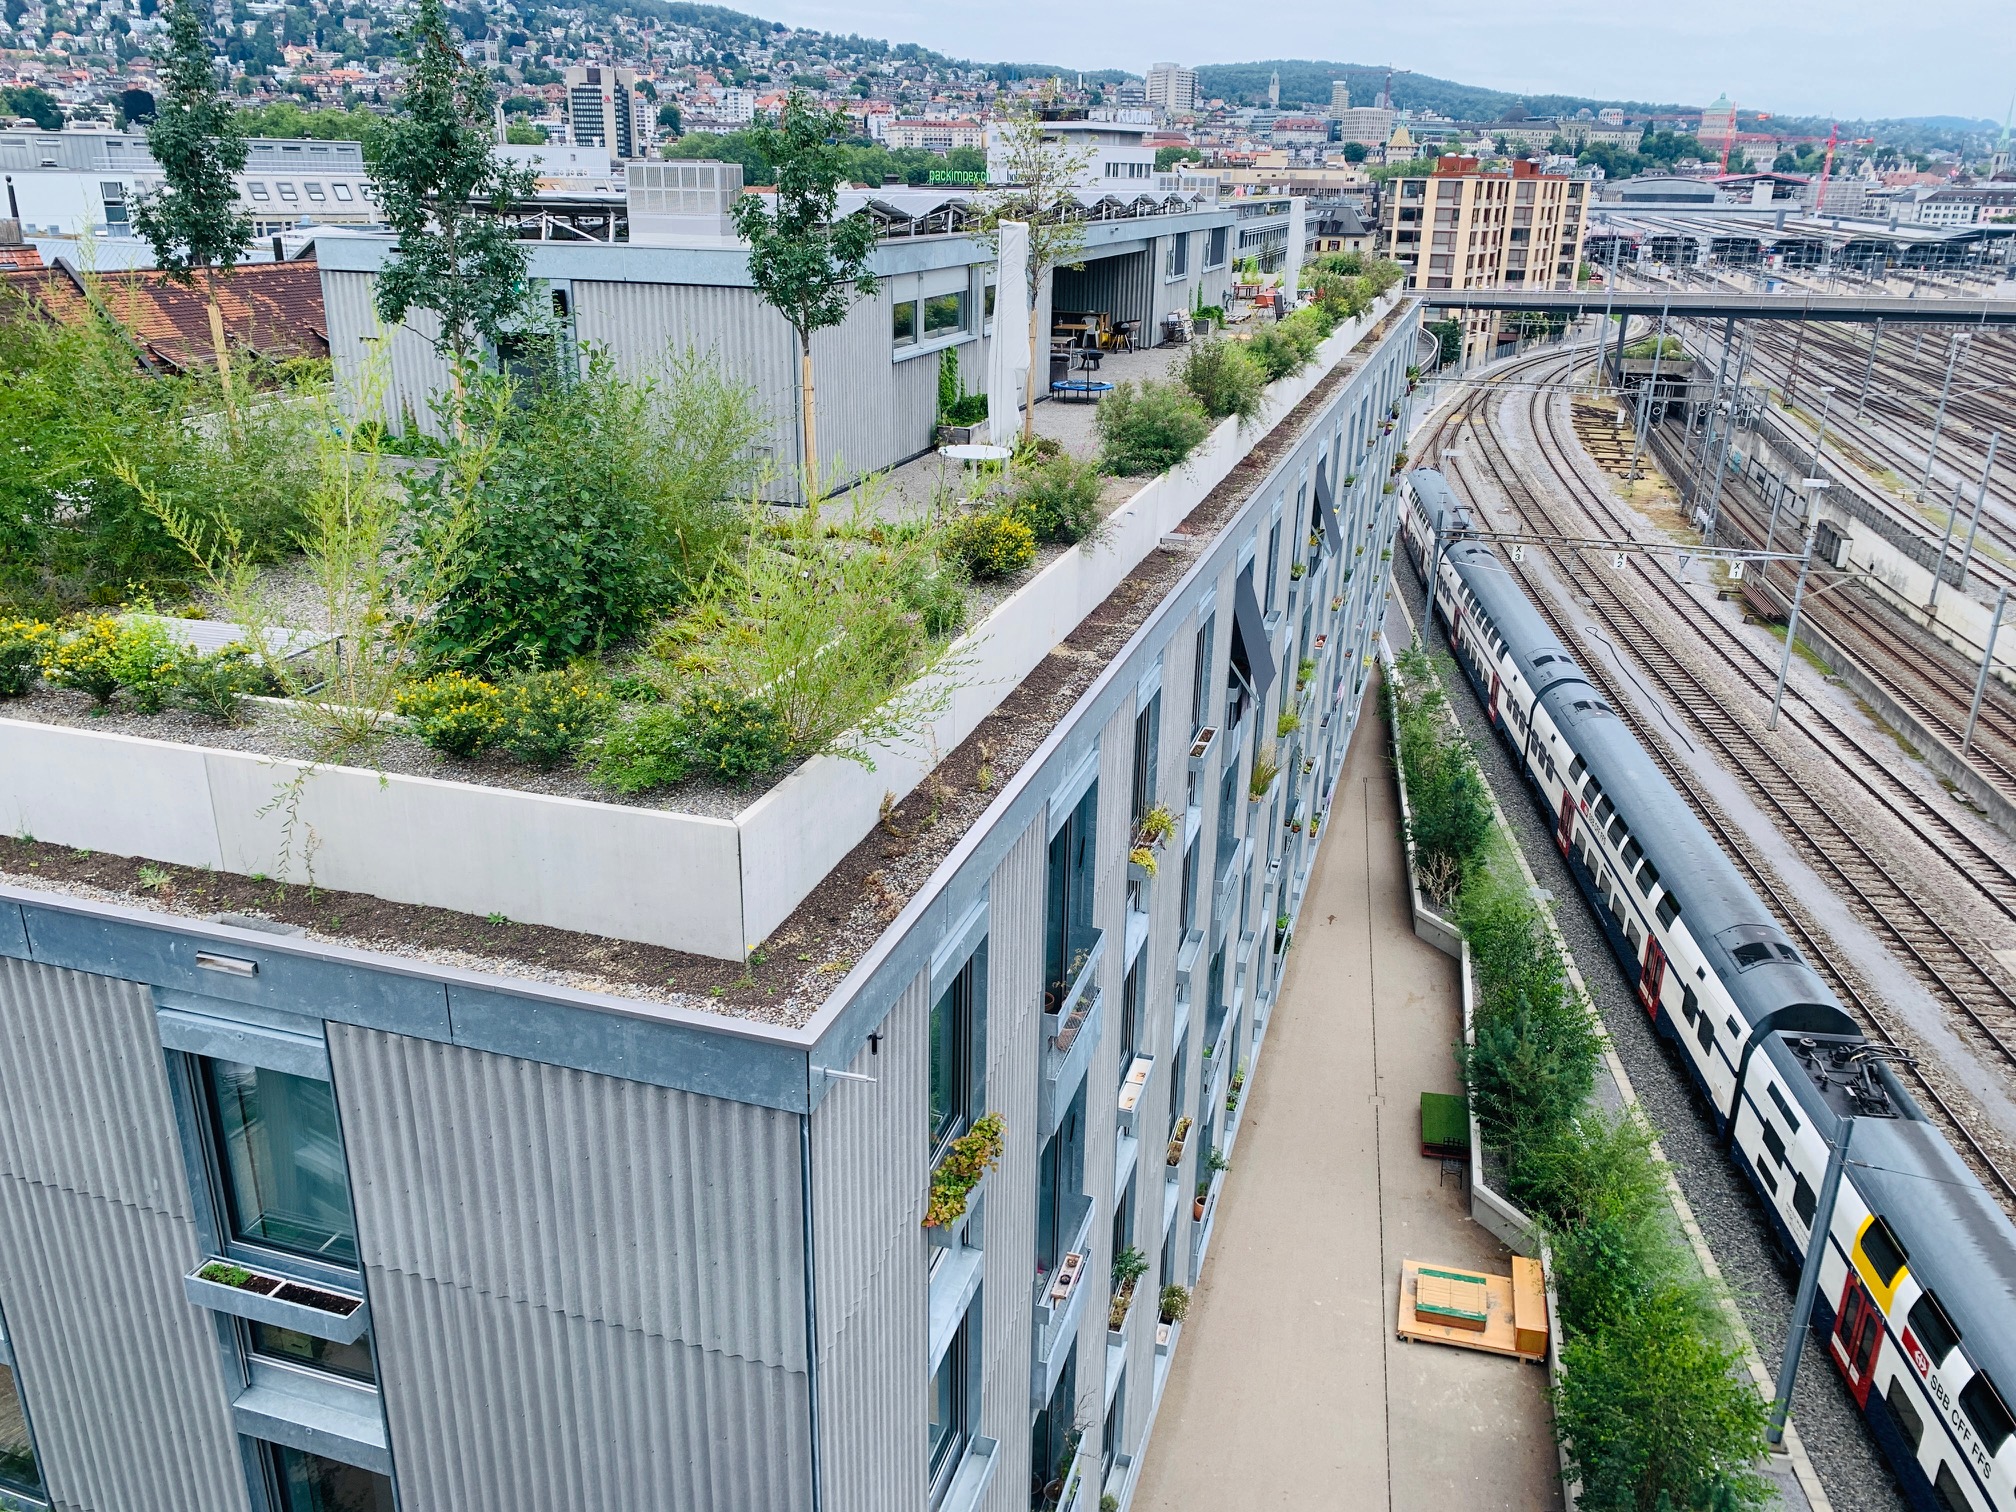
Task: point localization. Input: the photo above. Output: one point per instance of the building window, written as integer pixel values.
(258, 189)
(1274, 557)
(958, 1058)
(315, 192)
(280, 1161)
(944, 314)
(1060, 1178)
(1178, 263)
(19, 1470)
(1067, 925)
(287, 193)
(947, 1428)
(1130, 1016)
(342, 192)
(903, 323)
(304, 1482)
(114, 195)
(1189, 887)
(987, 302)
(1147, 748)
(284, 1345)
(1200, 678)
(1216, 242)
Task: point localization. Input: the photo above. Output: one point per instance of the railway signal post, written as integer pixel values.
(1809, 1284)
(1791, 628)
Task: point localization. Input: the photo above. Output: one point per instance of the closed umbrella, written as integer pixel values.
(1008, 360)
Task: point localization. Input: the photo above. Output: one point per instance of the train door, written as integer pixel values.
(1564, 832)
(1653, 977)
(1491, 706)
(1858, 1335)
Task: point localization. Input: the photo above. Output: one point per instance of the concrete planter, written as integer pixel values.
(282, 1302)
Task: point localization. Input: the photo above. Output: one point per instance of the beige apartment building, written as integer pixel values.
(1463, 228)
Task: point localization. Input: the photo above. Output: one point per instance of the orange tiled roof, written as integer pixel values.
(271, 310)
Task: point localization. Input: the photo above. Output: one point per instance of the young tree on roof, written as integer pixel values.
(1043, 173)
(807, 265)
(193, 220)
(436, 177)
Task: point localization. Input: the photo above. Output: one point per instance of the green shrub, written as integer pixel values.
(708, 732)
(107, 653)
(215, 684)
(1222, 378)
(1276, 352)
(935, 591)
(1149, 428)
(23, 645)
(544, 717)
(955, 405)
(453, 712)
(994, 543)
(1657, 1412)
(1058, 499)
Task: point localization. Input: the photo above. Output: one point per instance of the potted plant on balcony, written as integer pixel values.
(1150, 835)
(969, 1157)
(1179, 1137)
(1304, 670)
(1129, 1266)
(1203, 1192)
(1175, 1303)
(1287, 723)
(1265, 769)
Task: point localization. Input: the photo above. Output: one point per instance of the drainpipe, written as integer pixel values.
(811, 1303)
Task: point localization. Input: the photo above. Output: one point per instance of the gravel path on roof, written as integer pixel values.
(1856, 1477)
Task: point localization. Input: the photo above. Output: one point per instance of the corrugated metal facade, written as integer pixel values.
(869, 1175)
(586, 1292)
(119, 1371)
(1122, 286)
(1014, 1035)
(413, 371)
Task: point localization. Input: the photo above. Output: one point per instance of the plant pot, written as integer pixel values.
(1197, 1210)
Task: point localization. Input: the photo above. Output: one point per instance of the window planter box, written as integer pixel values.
(1200, 748)
(1166, 1335)
(952, 1235)
(1179, 1142)
(268, 1297)
(1132, 1088)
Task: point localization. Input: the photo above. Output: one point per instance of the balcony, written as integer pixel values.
(1060, 1303)
(1070, 1036)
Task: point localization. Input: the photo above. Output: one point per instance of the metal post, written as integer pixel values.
(1981, 682)
(1728, 435)
(1791, 633)
(1809, 1284)
(1974, 517)
(1646, 394)
(1714, 403)
(1939, 419)
(1869, 367)
(1820, 439)
(1939, 569)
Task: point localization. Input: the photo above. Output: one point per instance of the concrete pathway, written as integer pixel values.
(1289, 1388)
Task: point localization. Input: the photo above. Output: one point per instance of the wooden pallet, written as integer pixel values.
(1502, 1315)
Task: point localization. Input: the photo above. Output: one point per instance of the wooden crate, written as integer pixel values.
(1435, 1298)
(1529, 1306)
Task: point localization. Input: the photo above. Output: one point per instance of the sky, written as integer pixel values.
(1848, 58)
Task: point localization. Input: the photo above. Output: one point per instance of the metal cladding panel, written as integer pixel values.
(83, 1093)
(415, 370)
(872, 411)
(504, 1407)
(1014, 1052)
(669, 1213)
(120, 1373)
(869, 1173)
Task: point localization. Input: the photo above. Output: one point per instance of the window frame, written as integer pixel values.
(967, 985)
(271, 1463)
(13, 1369)
(231, 1242)
(941, 1462)
(897, 338)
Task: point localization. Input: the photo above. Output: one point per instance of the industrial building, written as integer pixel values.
(293, 1220)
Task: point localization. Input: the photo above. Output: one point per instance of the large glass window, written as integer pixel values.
(947, 1428)
(1060, 1188)
(945, 314)
(1147, 751)
(958, 1054)
(290, 1348)
(281, 1160)
(304, 1482)
(1200, 679)
(1130, 1017)
(1067, 926)
(903, 323)
(18, 1469)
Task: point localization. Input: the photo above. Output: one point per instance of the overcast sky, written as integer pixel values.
(1852, 58)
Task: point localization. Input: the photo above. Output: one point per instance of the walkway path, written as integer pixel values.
(1289, 1388)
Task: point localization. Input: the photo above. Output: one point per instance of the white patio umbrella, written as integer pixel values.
(1008, 360)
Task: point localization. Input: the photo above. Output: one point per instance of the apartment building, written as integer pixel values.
(1464, 228)
(1173, 88)
(294, 1221)
(934, 134)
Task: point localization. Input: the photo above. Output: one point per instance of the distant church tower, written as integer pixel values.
(1274, 91)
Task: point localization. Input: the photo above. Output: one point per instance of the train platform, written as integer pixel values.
(1291, 1389)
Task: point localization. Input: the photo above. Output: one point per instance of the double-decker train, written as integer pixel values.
(1917, 1287)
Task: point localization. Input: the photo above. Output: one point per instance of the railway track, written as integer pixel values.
(1947, 965)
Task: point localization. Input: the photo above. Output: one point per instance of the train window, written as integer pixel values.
(1803, 1201)
(1706, 1032)
(1576, 768)
(1648, 878)
(1991, 1420)
(1731, 1025)
(1542, 659)
(1947, 1489)
(1774, 1142)
(1690, 1005)
(1879, 1246)
(1633, 854)
(1784, 1109)
(1933, 1330)
(1617, 830)
(1764, 1174)
(1669, 910)
(1787, 953)
(1904, 1412)
(1756, 953)
(1591, 792)
(1603, 810)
